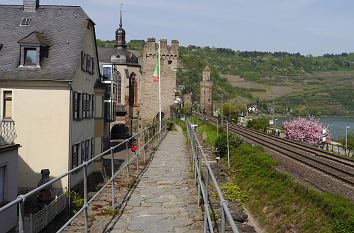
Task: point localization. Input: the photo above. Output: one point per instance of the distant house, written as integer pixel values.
(8, 173)
(48, 73)
(253, 109)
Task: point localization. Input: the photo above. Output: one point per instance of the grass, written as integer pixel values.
(208, 130)
(276, 197)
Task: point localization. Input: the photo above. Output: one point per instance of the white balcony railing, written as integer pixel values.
(7, 132)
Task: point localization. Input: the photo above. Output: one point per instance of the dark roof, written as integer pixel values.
(121, 56)
(35, 38)
(62, 28)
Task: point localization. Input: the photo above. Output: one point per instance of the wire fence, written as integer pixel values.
(202, 174)
(148, 138)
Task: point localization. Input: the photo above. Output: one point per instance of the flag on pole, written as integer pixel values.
(156, 73)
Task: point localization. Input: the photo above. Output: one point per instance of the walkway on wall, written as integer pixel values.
(165, 198)
(162, 200)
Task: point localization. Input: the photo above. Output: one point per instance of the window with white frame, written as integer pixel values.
(107, 72)
(7, 105)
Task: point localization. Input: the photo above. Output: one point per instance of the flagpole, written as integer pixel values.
(160, 84)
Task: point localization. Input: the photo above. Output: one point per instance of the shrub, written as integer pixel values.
(221, 143)
(258, 124)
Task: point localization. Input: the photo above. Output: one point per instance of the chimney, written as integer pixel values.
(30, 5)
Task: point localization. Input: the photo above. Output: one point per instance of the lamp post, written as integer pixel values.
(227, 138)
(346, 138)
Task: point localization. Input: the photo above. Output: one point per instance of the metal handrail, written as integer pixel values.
(195, 147)
(157, 135)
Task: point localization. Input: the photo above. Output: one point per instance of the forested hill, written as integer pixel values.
(322, 85)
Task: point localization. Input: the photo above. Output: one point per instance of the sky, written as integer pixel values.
(311, 27)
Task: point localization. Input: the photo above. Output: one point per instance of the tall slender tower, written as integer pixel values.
(206, 92)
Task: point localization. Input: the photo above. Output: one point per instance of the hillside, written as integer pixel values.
(304, 85)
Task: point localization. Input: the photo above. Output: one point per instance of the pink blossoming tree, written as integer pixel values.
(308, 131)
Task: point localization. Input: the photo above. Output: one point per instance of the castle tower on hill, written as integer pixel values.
(168, 70)
(206, 92)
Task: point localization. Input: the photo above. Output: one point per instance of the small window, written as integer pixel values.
(30, 56)
(92, 148)
(75, 106)
(7, 111)
(75, 156)
(87, 149)
(169, 62)
(83, 61)
(88, 63)
(92, 106)
(107, 72)
(119, 82)
(92, 66)
(82, 152)
(25, 21)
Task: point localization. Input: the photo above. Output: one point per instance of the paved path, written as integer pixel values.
(165, 198)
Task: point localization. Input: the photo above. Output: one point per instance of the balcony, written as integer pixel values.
(7, 132)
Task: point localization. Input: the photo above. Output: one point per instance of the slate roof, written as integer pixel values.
(122, 56)
(62, 28)
(35, 38)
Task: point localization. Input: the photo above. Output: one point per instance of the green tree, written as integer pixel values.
(258, 124)
(350, 142)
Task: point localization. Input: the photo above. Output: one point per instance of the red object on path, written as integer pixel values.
(134, 147)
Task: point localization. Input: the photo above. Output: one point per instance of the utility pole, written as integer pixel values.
(227, 138)
(346, 138)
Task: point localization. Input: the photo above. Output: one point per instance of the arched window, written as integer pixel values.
(132, 89)
(119, 86)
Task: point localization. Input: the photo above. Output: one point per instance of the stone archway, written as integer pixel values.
(119, 131)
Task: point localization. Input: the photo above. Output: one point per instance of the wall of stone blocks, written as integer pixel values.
(150, 92)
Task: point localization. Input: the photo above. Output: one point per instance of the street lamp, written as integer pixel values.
(227, 138)
(346, 138)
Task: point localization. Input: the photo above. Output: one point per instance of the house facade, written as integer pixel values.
(48, 73)
(8, 174)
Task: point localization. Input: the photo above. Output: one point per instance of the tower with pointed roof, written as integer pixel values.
(206, 92)
(120, 33)
(121, 70)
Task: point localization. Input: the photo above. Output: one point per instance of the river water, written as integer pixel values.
(336, 125)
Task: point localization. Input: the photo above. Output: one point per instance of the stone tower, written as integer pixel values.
(168, 70)
(206, 92)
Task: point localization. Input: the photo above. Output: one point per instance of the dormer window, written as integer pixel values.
(33, 48)
(30, 56)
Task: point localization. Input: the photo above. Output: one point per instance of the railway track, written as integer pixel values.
(335, 167)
